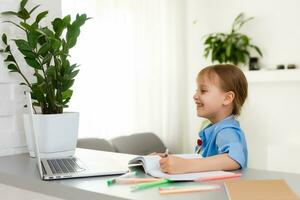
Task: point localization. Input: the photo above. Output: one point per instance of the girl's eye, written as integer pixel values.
(203, 91)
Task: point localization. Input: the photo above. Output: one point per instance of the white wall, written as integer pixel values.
(12, 139)
(271, 122)
(270, 116)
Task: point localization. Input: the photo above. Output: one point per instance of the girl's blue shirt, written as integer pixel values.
(225, 136)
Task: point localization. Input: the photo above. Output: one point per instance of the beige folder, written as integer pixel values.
(259, 190)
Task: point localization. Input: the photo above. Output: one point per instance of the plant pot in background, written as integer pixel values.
(56, 134)
(253, 63)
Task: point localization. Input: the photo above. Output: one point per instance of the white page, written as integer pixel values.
(152, 167)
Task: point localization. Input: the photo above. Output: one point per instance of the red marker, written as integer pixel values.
(199, 144)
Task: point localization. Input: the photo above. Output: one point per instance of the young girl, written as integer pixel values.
(221, 92)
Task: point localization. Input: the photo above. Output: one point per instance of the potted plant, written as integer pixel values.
(233, 47)
(46, 54)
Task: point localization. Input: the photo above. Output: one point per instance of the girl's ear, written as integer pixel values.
(229, 97)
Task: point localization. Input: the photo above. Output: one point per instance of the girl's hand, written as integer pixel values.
(173, 164)
(156, 154)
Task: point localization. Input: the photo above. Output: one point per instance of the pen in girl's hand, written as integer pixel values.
(166, 154)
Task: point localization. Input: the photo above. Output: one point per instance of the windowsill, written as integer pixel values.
(261, 76)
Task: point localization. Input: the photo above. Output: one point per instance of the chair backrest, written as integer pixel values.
(138, 144)
(95, 144)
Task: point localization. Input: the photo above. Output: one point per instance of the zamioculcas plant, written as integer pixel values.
(233, 47)
(46, 52)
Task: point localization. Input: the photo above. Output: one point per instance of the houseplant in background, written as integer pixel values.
(46, 54)
(233, 47)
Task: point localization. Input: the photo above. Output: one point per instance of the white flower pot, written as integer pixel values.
(57, 134)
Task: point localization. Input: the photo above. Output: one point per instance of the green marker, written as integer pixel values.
(110, 182)
(149, 185)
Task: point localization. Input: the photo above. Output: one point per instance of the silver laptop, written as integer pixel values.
(70, 167)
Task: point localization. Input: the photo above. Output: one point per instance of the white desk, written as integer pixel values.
(21, 171)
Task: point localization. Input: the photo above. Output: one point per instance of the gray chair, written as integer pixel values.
(138, 144)
(95, 144)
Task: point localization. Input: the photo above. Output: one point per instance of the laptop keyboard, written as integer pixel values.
(66, 165)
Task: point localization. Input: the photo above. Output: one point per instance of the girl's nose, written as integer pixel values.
(195, 97)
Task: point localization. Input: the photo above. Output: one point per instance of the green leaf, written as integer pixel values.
(46, 31)
(23, 14)
(4, 38)
(40, 78)
(228, 50)
(37, 93)
(65, 47)
(23, 4)
(40, 16)
(47, 59)
(32, 38)
(26, 26)
(42, 39)
(72, 35)
(29, 54)
(55, 44)
(71, 68)
(257, 50)
(12, 67)
(7, 49)
(65, 102)
(10, 58)
(17, 25)
(67, 20)
(67, 94)
(51, 71)
(80, 20)
(9, 13)
(240, 57)
(73, 30)
(33, 9)
(23, 44)
(244, 40)
(67, 84)
(73, 74)
(45, 48)
(58, 26)
(33, 63)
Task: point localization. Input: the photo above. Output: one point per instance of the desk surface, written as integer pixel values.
(21, 171)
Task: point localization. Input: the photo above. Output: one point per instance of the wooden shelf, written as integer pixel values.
(273, 75)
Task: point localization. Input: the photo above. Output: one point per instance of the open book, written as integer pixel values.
(151, 167)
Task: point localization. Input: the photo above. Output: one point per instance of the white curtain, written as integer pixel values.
(132, 73)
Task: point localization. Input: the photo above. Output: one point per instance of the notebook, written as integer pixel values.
(259, 190)
(151, 167)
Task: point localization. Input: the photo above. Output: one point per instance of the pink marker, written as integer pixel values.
(213, 178)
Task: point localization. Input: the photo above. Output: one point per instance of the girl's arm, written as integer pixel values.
(177, 165)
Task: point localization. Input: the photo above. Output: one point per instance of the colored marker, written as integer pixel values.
(174, 190)
(136, 180)
(199, 145)
(149, 185)
(213, 178)
(113, 180)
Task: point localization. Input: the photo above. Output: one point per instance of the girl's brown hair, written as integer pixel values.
(231, 78)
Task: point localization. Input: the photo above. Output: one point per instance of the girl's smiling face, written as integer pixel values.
(209, 97)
